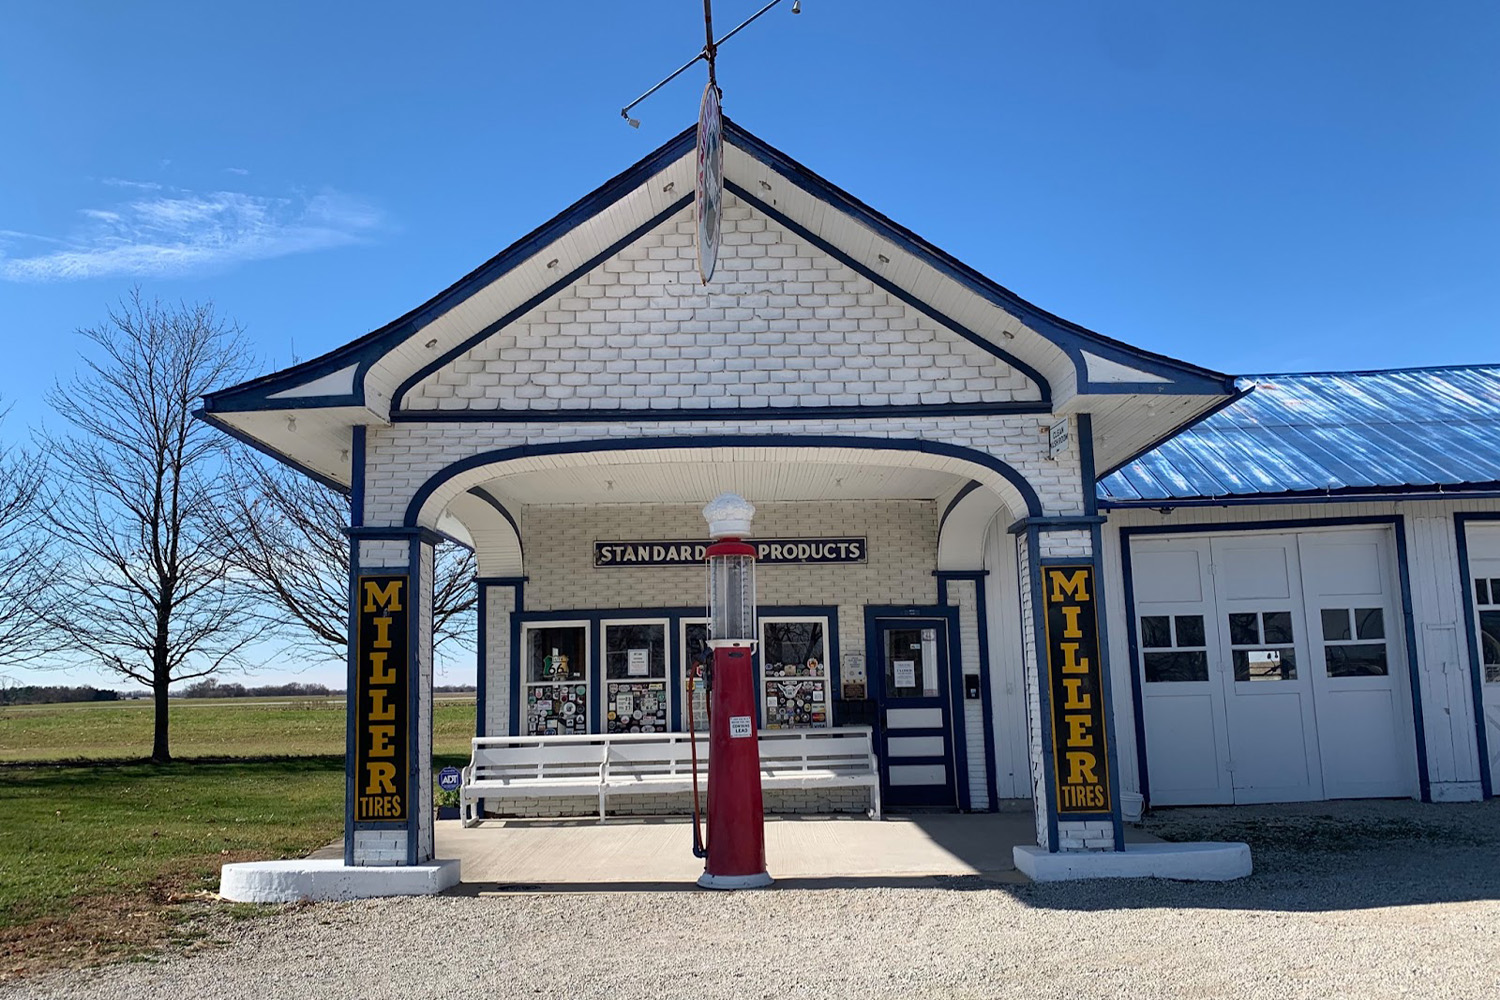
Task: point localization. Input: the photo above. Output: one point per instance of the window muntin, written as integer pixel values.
(1173, 649)
(1261, 646)
(1347, 651)
(795, 673)
(635, 677)
(556, 679)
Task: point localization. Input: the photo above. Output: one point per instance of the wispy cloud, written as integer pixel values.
(170, 232)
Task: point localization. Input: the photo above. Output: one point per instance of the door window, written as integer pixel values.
(556, 680)
(1261, 644)
(1174, 648)
(1487, 597)
(695, 657)
(911, 668)
(635, 677)
(1354, 642)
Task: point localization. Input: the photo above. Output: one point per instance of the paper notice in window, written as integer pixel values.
(624, 704)
(739, 726)
(638, 663)
(906, 673)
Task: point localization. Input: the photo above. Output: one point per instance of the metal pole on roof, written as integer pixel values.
(710, 50)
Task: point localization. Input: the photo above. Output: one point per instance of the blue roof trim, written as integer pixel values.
(1188, 379)
(365, 351)
(1328, 437)
(489, 498)
(983, 459)
(890, 288)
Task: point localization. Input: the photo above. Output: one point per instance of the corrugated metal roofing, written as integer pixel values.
(1350, 432)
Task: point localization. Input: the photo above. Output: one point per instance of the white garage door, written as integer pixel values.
(1272, 668)
(1484, 591)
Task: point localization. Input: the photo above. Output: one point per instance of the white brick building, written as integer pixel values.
(924, 442)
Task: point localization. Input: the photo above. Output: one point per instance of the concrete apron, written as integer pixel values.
(532, 855)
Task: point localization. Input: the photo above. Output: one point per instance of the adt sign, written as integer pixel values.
(449, 779)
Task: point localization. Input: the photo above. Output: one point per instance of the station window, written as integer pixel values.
(635, 677)
(1487, 597)
(1174, 648)
(1348, 649)
(1261, 644)
(556, 679)
(795, 673)
(694, 655)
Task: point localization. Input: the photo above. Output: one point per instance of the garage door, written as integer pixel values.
(1484, 592)
(1271, 667)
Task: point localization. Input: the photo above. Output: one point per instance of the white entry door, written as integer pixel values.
(1271, 667)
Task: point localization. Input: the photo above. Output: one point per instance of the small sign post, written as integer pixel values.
(449, 778)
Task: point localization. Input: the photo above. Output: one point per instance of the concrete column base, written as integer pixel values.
(317, 879)
(1201, 862)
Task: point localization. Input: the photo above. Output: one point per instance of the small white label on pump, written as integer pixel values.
(739, 726)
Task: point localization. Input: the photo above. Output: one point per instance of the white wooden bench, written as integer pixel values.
(550, 766)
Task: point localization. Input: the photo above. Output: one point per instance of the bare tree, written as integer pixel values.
(287, 543)
(137, 482)
(28, 567)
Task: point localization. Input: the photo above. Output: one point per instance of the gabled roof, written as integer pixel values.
(1402, 431)
(365, 381)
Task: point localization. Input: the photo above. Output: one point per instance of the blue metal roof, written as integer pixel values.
(1329, 433)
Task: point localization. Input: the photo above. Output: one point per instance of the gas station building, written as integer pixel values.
(1040, 563)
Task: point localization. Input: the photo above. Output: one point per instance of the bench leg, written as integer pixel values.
(466, 813)
(874, 802)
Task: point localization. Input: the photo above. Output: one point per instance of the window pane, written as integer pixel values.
(1336, 624)
(1265, 665)
(555, 654)
(796, 704)
(1156, 632)
(1494, 591)
(1489, 633)
(1278, 626)
(1369, 623)
(632, 651)
(1356, 660)
(635, 707)
(556, 709)
(1168, 667)
(794, 649)
(694, 655)
(1244, 629)
(1481, 592)
(1190, 630)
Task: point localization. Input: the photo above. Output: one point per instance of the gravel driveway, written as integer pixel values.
(1366, 900)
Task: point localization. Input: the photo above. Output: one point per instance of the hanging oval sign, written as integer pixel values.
(710, 193)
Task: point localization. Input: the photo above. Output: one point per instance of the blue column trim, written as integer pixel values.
(1476, 660)
(986, 704)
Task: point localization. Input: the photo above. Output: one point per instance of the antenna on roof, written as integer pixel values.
(709, 197)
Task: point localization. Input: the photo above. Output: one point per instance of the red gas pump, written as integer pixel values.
(736, 846)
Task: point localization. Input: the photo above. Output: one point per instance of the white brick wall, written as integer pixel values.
(380, 847)
(786, 325)
(402, 457)
(499, 603)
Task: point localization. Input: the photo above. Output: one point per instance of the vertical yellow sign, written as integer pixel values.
(1080, 758)
(382, 760)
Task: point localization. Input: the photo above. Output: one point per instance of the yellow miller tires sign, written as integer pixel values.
(1080, 759)
(382, 754)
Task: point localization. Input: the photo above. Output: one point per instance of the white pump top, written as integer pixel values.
(729, 516)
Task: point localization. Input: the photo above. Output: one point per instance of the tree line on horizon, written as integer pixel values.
(139, 540)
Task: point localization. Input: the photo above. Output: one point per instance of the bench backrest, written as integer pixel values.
(847, 748)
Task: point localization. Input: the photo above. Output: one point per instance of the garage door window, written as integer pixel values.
(1262, 645)
(1173, 648)
(1347, 651)
(1487, 596)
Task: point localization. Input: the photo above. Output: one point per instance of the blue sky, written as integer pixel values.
(1252, 187)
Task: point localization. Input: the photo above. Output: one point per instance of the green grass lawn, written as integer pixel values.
(96, 843)
(231, 727)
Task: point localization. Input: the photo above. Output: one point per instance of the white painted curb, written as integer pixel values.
(1199, 862)
(325, 879)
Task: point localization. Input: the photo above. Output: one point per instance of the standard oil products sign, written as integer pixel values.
(1080, 764)
(381, 755)
(690, 552)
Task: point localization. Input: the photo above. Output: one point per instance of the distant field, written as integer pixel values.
(106, 860)
(228, 727)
